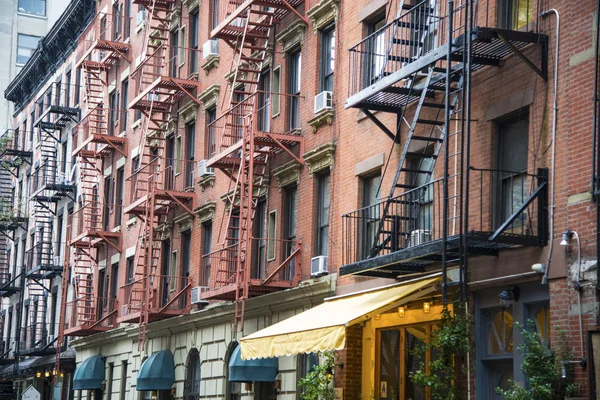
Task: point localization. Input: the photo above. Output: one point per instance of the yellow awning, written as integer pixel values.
(324, 327)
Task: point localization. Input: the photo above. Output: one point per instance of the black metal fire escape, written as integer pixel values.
(419, 67)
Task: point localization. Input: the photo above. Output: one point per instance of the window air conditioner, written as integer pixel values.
(418, 236)
(56, 260)
(210, 48)
(140, 17)
(204, 170)
(323, 101)
(196, 293)
(318, 266)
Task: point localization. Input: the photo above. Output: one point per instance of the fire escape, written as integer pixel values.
(155, 189)
(243, 152)
(12, 212)
(50, 184)
(419, 67)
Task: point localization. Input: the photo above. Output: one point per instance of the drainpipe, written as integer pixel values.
(554, 117)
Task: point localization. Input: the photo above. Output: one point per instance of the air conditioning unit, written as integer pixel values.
(323, 101)
(204, 170)
(210, 48)
(56, 260)
(140, 17)
(125, 309)
(318, 266)
(195, 295)
(418, 236)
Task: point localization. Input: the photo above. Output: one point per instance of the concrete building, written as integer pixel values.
(24, 23)
(255, 182)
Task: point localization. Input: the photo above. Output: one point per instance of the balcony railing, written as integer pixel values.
(420, 30)
(176, 176)
(88, 313)
(168, 294)
(15, 143)
(54, 109)
(273, 261)
(52, 175)
(501, 204)
(95, 216)
(106, 27)
(40, 258)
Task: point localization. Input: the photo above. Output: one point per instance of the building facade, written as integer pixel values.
(24, 24)
(199, 197)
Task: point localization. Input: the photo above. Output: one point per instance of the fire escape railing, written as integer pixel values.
(502, 203)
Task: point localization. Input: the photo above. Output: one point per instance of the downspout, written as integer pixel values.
(554, 117)
(596, 161)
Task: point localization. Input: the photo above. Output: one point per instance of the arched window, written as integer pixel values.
(191, 390)
(233, 390)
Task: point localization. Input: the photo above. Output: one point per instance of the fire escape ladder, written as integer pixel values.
(36, 336)
(62, 316)
(6, 225)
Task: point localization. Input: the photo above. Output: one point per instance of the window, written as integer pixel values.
(191, 388)
(165, 270)
(190, 142)
(498, 353)
(26, 45)
(276, 108)
(322, 214)
(211, 146)
(68, 89)
(130, 270)
(174, 65)
(206, 249)
(35, 7)
(422, 200)
(127, 18)
(173, 272)
(135, 165)
(178, 154)
(120, 185)
(264, 101)
(327, 57)
(194, 42)
(114, 280)
(290, 193)
(271, 235)
(117, 20)
(59, 235)
(305, 364)
(214, 13)
(53, 311)
(113, 101)
(123, 389)
(293, 82)
(258, 243)
(515, 14)
(511, 161)
(376, 49)
(77, 84)
(124, 101)
(370, 193)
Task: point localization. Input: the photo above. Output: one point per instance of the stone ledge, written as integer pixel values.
(321, 118)
(210, 62)
(206, 212)
(320, 158)
(292, 36)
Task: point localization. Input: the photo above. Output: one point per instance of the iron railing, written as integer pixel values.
(415, 33)
(95, 216)
(167, 293)
(89, 311)
(501, 203)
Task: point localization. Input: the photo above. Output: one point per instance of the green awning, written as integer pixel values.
(257, 370)
(89, 375)
(157, 372)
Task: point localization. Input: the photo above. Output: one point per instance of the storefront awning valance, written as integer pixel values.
(89, 375)
(324, 327)
(262, 370)
(157, 372)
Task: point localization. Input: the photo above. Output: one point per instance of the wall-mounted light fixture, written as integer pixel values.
(401, 311)
(38, 374)
(426, 307)
(566, 237)
(509, 295)
(46, 374)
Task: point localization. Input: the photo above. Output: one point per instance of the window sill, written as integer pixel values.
(25, 14)
(321, 118)
(136, 124)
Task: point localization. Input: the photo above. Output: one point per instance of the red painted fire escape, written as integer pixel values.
(155, 188)
(243, 151)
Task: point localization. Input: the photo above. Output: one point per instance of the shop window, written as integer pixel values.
(191, 389)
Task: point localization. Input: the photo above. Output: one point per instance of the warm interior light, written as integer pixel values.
(426, 307)
(47, 374)
(38, 374)
(401, 311)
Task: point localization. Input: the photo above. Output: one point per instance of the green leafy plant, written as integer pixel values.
(318, 383)
(450, 342)
(542, 368)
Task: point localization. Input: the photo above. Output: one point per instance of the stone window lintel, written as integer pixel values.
(320, 158)
(323, 13)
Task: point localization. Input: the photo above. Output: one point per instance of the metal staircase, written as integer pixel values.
(153, 195)
(244, 153)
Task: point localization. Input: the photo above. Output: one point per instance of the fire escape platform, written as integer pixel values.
(133, 317)
(229, 158)
(228, 29)
(8, 289)
(44, 271)
(158, 4)
(14, 223)
(16, 153)
(116, 50)
(164, 199)
(86, 330)
(94, 237)
(108, 141)
(415, 259)
(60, 191)
(169, 90)
(255, 288)
(489, 47)
(63, 115)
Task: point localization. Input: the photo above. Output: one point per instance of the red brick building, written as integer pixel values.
(200, 172)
